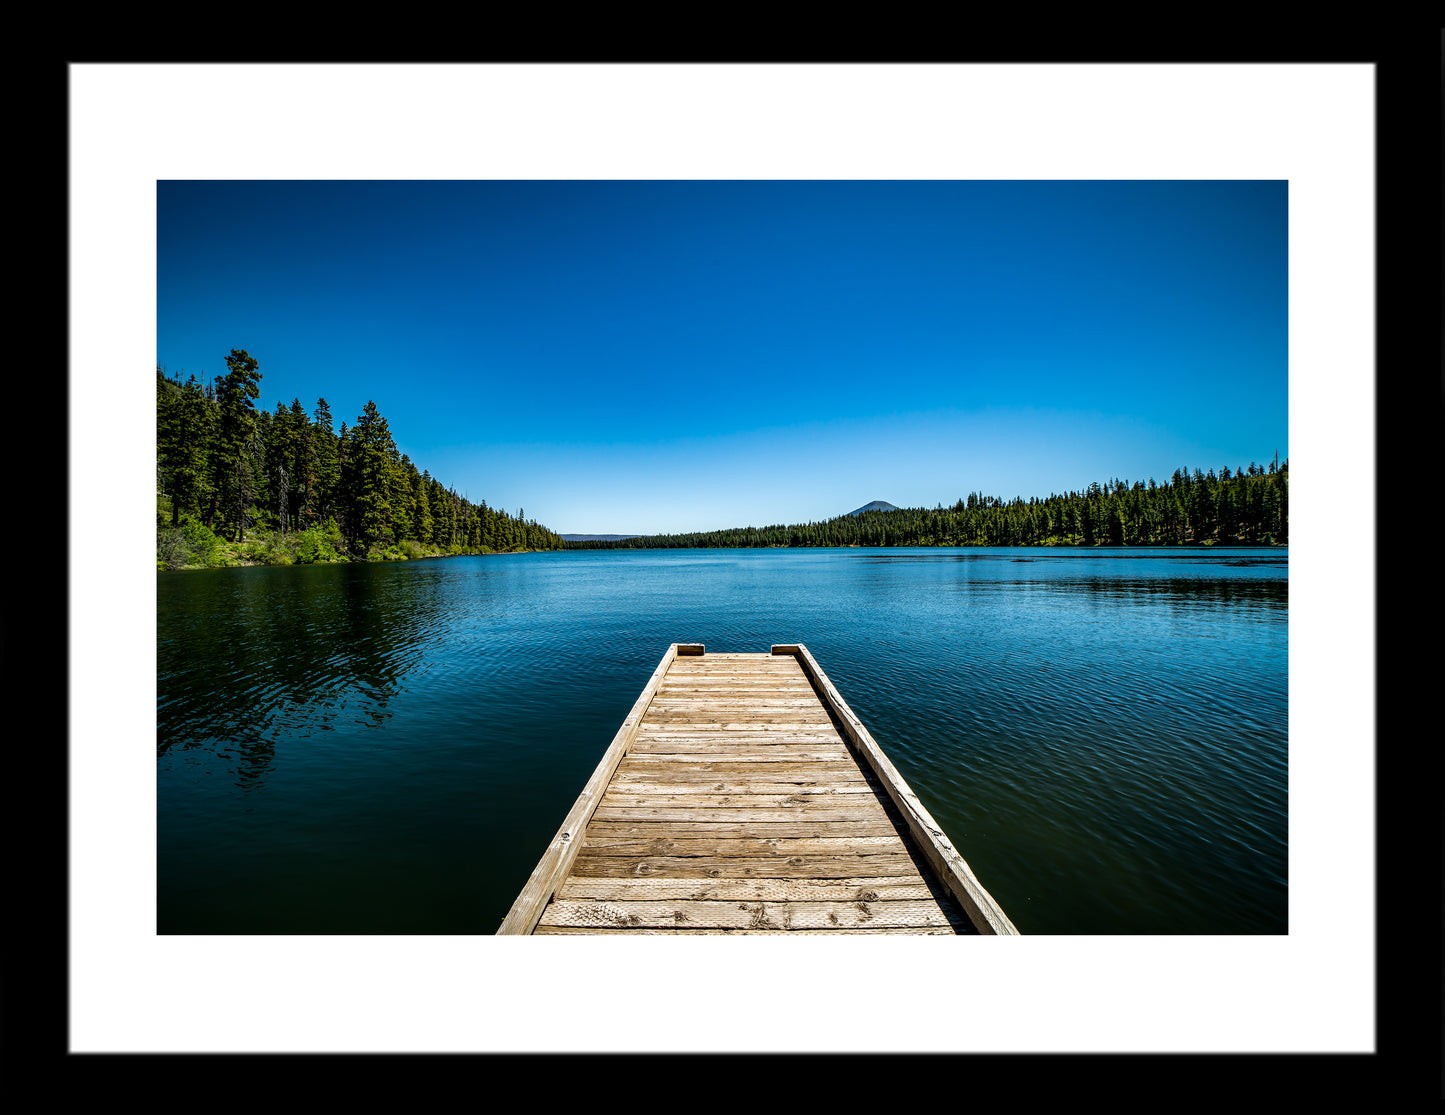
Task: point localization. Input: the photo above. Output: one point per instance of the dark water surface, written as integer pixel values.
(389, 748)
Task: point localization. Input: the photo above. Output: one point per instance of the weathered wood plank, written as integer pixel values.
(766, 708)
(785, 758)
(744, 915)
(740, 828)
(551, 930)
(759, 752)
(798, 775)
(711, 682)
(658, 778)
(736, 725)
(736, 691)
(790, 689)
(710, 670)
(704, 685)
(758, 741)
(734, 762)
(753, 765)
(749, 767)
(622, 797)
(864, 888)
(723, 720)
(759, 732)
(744, 846)
(675, 751)
(656, 732)
(675, 791)
(723, 813)
(764, 782)
(717, 666)
(757, 867)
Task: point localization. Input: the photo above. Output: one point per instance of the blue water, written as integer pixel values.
(389, 748)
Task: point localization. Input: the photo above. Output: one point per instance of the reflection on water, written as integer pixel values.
(388, 748)
(263, 654)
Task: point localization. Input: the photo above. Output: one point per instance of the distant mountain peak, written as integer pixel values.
(876, 505)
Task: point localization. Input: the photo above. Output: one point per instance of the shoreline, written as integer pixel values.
(250, 564)
(1211, 545)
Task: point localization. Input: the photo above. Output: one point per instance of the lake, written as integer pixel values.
(389, 748)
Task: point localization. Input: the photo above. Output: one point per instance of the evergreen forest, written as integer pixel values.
(237, 485)
(240, 485)
(1243, 507)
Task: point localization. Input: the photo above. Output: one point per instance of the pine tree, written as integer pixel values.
(303, 468)
(1114, 524)
(183, 437)
(421, 519)
(370, 450)
(399, 470)
(234, 490)
(328, 463)
(345, 482)
(436, 500)
(276, 436)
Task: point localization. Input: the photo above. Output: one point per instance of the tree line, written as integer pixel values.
(1242, 507)
(239, 483)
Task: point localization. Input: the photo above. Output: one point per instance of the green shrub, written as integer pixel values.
(257, 548)
(318, 544)
(277, 549)
(188, 545)
(204, 547)
(171, 549)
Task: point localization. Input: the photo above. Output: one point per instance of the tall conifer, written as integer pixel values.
(371, 493)
(236, 393)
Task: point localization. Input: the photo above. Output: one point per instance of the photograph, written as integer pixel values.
(841, 507)
(483, 451)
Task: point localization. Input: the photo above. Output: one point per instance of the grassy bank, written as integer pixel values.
(192, 546)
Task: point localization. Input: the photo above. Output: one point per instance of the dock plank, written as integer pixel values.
(865, 888)
(549, 930)
(735, 914)
(740, 827)
(749, 845)
(841, 866)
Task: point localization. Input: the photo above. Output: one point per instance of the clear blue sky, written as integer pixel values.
(646, 357)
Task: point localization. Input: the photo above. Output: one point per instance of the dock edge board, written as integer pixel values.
(951, 869)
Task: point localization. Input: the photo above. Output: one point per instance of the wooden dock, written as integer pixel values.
(742, 795)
